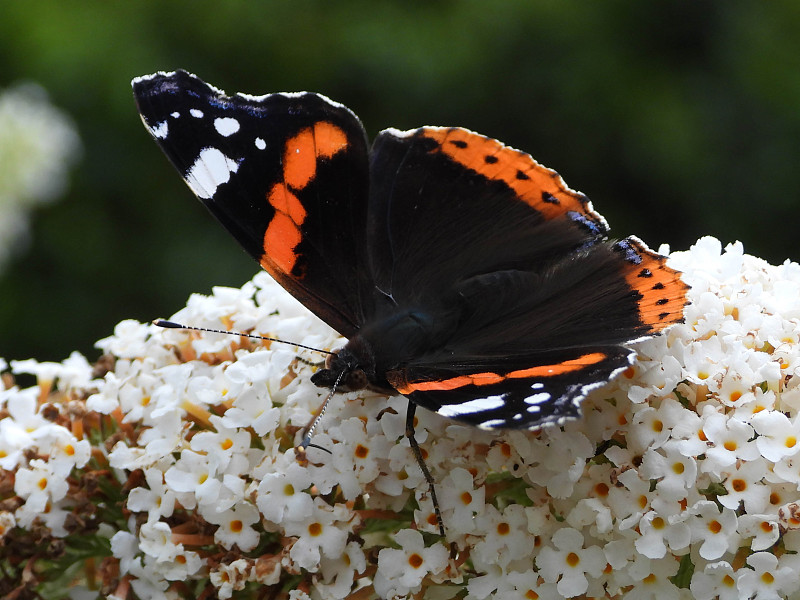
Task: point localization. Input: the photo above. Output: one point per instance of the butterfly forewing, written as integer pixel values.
(436, 223)
(286, 174)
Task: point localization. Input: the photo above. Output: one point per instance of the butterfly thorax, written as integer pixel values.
(381, 346)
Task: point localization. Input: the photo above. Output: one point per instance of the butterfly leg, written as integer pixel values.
(421, 462)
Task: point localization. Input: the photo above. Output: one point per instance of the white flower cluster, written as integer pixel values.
(680, 481)
(38, 143)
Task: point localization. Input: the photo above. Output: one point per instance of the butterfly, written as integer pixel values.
(464, 275)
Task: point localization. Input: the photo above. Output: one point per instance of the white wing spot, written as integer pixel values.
(175, 115)
(472, 406)
(537, 386)
(197, 114)
(260, 144)
(537, 398)
(160, 130)
(211, 169)
(226, 126)
(493, 424)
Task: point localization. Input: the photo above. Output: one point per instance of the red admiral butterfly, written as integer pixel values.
(465, 275)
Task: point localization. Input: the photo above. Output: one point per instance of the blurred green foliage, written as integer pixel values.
(678, 119)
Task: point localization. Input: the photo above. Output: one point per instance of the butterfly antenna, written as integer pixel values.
(306, 443)
(173, 325)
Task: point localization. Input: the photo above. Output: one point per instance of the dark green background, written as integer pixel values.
(678, 119)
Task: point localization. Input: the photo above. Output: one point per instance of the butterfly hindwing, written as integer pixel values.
(530, 369)
(286, 174)
(511, 397)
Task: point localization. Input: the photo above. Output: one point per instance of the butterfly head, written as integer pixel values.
(349, 370)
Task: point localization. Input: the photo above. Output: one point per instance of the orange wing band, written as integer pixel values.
(301, 155)
(568, 366)
(535, 184)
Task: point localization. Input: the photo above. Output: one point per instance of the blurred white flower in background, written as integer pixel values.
(38, 144)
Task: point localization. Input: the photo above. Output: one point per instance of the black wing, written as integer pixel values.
(285, 173)
(482, 237)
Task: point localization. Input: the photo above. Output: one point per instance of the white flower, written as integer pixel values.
(675, 472)
(156, 499)
(125, 546)
(788, 469)
(767, 579)
(652, 579)
(715, 528)
(340, 573)
(763, 529)
(43, 482)
(354, 463)
(131, 339)
(319, 534)
(61, 446)
(183, 566)
(731, 440)
(689, 433)
(653, 426)
(744, 484)
(566, 464)
(631, 499)
(592, 512)
(229, 577)
(528, 584)
(227, 445)
(493, 582)
(570, 563)
(777, 435)
(659, 533)
(401, 572)
(23, 410)
(281, 496)
(460, 496)
(155, 539)
(194, 472)
(15, 437)
(252, 405)
(505, 535)
(235, 526)
(716, 581)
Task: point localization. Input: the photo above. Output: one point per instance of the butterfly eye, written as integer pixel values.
(356, 380)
